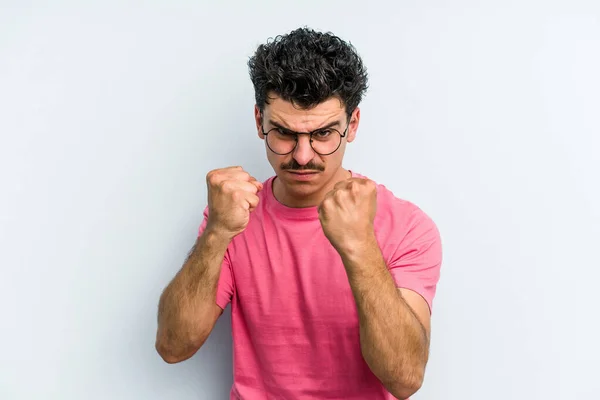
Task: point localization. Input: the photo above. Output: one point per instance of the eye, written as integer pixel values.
(284, 132)
(323, 133)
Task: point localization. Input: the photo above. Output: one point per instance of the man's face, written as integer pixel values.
(304, 173)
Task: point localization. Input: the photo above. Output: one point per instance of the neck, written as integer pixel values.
(299, 200)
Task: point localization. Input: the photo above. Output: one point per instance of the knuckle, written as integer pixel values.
(226, 186)
(210, 176)
(216, 176)
(237, 196)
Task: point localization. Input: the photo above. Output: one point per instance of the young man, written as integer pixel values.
(329, 275)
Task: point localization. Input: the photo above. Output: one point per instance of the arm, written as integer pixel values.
(394, 324)
(187, 310)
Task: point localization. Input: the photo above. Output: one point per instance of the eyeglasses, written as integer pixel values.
(324, 141)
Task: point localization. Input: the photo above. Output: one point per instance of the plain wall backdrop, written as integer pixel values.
(485, 114)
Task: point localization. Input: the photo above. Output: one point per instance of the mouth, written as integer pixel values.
(303, 175)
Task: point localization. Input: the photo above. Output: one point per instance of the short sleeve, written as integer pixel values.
(416, 261)
(225, 286)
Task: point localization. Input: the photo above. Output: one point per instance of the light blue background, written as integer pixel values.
(485, 114)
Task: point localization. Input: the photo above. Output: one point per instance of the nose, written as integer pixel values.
(303, 153)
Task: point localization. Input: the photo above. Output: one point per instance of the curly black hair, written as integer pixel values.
(306, 68)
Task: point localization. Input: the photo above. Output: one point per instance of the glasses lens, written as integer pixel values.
(323, 142)
(326, 141)
(280, 142)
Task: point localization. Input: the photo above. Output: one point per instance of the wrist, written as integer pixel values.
(216, 237)
(364, 261)
(357, 248)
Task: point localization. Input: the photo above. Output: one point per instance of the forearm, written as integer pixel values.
(393, 341)
(186, 311)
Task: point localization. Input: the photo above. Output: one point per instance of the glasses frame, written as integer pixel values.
(296, 134)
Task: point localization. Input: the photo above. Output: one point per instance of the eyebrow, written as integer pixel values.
(329, 125)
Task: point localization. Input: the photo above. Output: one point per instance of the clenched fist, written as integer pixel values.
(232, 195)
(348, 212)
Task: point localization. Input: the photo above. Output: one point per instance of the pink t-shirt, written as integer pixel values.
(293, 316)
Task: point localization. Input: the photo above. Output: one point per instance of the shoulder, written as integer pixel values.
(393, 208)
(399, 219)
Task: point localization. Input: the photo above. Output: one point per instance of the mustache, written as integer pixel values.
(294, 166)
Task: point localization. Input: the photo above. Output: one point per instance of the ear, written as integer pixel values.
(353, 125)
(258, 120)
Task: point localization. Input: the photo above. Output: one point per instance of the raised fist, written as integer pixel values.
(232, 196)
